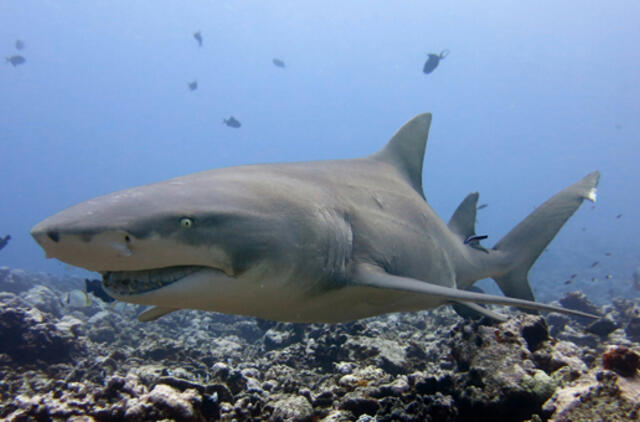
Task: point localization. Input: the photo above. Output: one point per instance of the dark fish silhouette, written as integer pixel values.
(232, 122)
(619, 216)
(19, 44)
(198, 36)
(433, 61)
(4, 241)
(482, 206)
(595, 263)
(278, 63)
(95, 287)
(568, 281)
(193, 85)
(16, 60)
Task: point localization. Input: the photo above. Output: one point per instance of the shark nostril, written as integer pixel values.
(53, 236)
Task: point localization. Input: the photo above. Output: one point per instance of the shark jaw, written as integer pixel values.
(128, 283)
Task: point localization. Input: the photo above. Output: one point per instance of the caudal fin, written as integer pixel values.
(524, 244)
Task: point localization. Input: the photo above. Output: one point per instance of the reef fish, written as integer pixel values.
(16, 60)
(278, 63)
(4, 240)
(232, 122)
(321, 241)
(433, 61)
(198, 36)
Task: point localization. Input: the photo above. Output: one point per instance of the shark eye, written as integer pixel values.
(186, 223)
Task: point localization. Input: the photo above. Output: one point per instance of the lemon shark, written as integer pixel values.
(321, 241)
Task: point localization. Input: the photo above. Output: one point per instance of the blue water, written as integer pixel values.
(531, 98)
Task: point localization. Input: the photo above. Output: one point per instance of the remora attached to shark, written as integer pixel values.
(323, 241)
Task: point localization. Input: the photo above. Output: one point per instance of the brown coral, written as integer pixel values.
(622, 360)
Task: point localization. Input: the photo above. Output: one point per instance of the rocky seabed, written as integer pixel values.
(98, 363)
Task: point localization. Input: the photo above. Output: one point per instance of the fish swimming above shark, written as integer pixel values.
(321, 241)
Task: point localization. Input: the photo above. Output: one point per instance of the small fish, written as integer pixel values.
(433, 60)
(482, 206)
(95, 287)
(475, 238)
(618, 216)
(594, 279)
(607, 253)
(232, 122)
(595, 263)
(19, 44)
(574, 275)
(609, 276)
(4, 241)
(198, 36)
(192, 85)
(278, 63)
(568, 281)
(16, 60)
(76, 299)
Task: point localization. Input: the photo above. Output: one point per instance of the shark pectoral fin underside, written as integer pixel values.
(155, 312)
(373, 276)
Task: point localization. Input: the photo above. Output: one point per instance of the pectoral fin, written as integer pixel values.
(373, 276)
(155, 312)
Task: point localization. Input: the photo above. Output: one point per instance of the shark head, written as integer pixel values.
(208, 236)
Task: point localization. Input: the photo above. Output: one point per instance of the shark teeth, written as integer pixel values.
(126, 283)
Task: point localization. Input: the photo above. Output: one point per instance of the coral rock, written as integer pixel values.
(621, 360)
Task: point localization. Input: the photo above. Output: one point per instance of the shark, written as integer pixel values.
(320, 241)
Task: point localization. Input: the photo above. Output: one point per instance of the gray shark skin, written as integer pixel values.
(322, 241)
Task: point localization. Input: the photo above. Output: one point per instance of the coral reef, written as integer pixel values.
(98, 363)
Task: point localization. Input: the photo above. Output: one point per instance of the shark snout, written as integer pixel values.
(45, 236)
(85, 248)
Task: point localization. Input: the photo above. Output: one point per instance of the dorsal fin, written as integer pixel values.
(405, 150)
(463, 220)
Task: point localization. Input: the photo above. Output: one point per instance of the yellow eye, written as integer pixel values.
(186, 223)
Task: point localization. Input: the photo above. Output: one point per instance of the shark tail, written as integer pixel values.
(525, 242)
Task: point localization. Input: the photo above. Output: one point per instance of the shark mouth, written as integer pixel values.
(126, 283)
